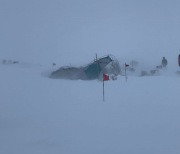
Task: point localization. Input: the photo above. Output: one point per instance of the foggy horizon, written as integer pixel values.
(74, 31)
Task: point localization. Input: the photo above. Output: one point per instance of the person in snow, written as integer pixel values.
(164, 62)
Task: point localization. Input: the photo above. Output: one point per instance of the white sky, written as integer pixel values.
(72, 31)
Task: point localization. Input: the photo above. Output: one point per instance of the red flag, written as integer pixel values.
(105, 77)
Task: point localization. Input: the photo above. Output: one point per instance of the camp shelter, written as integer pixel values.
(93, 70)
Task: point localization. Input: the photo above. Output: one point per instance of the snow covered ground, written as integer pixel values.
(39, 115)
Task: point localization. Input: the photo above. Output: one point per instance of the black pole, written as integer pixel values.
(103, 91)
(125, 73)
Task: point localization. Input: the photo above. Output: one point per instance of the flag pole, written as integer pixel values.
(125, 72)
(105, 78)
(103, 91)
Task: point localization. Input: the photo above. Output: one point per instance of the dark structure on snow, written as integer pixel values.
(94, 70)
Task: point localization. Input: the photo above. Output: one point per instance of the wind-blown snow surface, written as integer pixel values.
(39, 115)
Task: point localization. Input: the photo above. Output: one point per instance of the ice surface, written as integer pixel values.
(42, 115)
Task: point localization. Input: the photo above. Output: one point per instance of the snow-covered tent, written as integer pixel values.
(94, 70)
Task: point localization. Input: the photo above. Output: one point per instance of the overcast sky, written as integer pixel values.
(72, 31)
